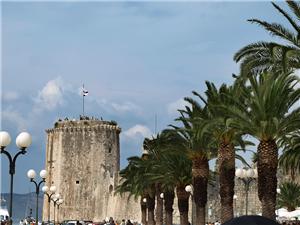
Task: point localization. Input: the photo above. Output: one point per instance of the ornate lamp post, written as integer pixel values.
(49, 194)
(55, 199)
(60, 201)
(278, 192)
(31, 175)
(161, 195)
(189, 188)
(235, 209)
(246, 176)
(22, 141)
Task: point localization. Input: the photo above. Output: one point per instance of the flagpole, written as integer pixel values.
(82, 99)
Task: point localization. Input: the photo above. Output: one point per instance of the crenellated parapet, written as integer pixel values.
(83, 126)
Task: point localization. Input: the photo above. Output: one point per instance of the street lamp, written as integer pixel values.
(190, 189)
(161, 195)
(55, 199)
(23, 141)
(49, 194)
(60, 201)
(246, 176)
(235, 209)
(278, 192)
(31, 175)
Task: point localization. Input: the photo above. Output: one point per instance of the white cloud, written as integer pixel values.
(138, 130)
(123, 107)
(10, 95)
(15, 118)
(173, 107)
(51, 95)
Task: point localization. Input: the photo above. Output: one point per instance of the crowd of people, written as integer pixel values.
(213, 223)
(291, 222)
(111, 221)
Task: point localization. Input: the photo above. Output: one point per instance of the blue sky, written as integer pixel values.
(136, 59)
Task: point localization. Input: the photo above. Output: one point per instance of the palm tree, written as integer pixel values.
(289, 196)
(175, 171)
(268, 115)
(228, 139)
(172, 170)
(201, 148)
(267, 56)
(134, 181)
(149, 145)
(289, 161)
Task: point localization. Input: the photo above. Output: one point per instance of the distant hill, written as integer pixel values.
(22, 203)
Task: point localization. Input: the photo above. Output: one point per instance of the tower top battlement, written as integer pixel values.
(84, 123)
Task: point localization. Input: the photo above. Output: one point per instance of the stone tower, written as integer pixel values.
(83, 161)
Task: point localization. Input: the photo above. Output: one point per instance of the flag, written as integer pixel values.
(85, 92)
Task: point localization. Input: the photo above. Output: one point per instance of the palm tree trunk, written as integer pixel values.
(226, 160)
(267, 180)
(159, 206)
(169, 201)
(200, 173)
(144, 212)
(183, 204)
(151, 207)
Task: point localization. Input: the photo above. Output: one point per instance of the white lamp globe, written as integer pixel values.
(60, 201)
(239, 172)
(45, 189)
(53, 189)
(145, 200)
(250, 173)
(234, 196)
(57, 195)
(31, 174)
(161, 195)
(278, 190)
(43, 174)
(4, 139)
(189, 188)
(23, 140)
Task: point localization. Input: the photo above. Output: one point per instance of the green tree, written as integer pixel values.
(268, 115)
(289, 161)
(289, 196)
(201, 148)
(134, 182)
(227, 138)
(266, 56)
(171, 169)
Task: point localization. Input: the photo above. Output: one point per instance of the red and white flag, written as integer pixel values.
(84, 92)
